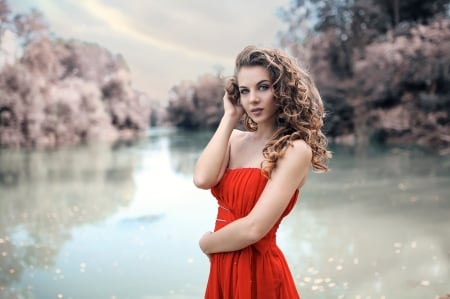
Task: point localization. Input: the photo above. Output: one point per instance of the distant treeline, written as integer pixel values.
(382, 67)
(63, 91)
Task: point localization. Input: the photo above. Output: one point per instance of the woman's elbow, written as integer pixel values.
(255, 233)
(202, 182)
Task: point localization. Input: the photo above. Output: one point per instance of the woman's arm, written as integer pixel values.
(290, 173)
(211, 165)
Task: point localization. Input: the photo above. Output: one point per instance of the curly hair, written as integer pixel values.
(300, 107)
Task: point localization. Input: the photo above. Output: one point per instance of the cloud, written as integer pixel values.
(121, 23)
(164, 42)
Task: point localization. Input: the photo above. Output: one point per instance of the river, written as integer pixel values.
(122, 222)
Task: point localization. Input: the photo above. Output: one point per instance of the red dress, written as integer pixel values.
(259, 270)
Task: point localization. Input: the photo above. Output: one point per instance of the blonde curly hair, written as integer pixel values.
(300, 107)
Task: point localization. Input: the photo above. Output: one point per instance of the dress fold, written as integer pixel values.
(259, 270)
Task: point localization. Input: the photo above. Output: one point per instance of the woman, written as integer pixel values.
(256, 174)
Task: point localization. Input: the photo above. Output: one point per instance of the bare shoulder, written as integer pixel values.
(238, 133)
(238, 136)
(299, 152)
(293, 167)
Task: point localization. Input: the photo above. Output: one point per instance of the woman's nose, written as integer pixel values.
(254, 96)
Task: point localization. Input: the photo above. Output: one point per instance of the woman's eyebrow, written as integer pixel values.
(263, 81)
(260, 82)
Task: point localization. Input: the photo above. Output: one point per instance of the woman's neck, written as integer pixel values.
(264, 132)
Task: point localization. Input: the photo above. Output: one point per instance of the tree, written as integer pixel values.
(377, 63)
(30, 26)
(412, 11)
(194, 105)
(4, 14)
(65, 91)
(351, 24)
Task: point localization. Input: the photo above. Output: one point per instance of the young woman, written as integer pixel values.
(256, 175)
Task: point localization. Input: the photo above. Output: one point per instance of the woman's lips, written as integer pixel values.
(256, 111)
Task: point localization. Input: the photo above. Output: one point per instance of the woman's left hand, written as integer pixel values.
(204, 241)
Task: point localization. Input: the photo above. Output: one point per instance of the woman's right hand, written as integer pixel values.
(231, 103)
(231, 109)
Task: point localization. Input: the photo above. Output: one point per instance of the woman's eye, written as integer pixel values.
(263, 87)
(243, 91)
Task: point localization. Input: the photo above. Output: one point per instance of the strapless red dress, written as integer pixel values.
(259, 270)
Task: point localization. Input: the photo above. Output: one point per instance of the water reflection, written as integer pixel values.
(376, 226)
(44, 195)
(185, 148)
(122, 221)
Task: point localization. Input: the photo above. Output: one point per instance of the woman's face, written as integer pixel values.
(257, 94)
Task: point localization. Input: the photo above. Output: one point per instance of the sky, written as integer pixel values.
(164, 41)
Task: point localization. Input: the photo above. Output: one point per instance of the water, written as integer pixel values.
(117, 222)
